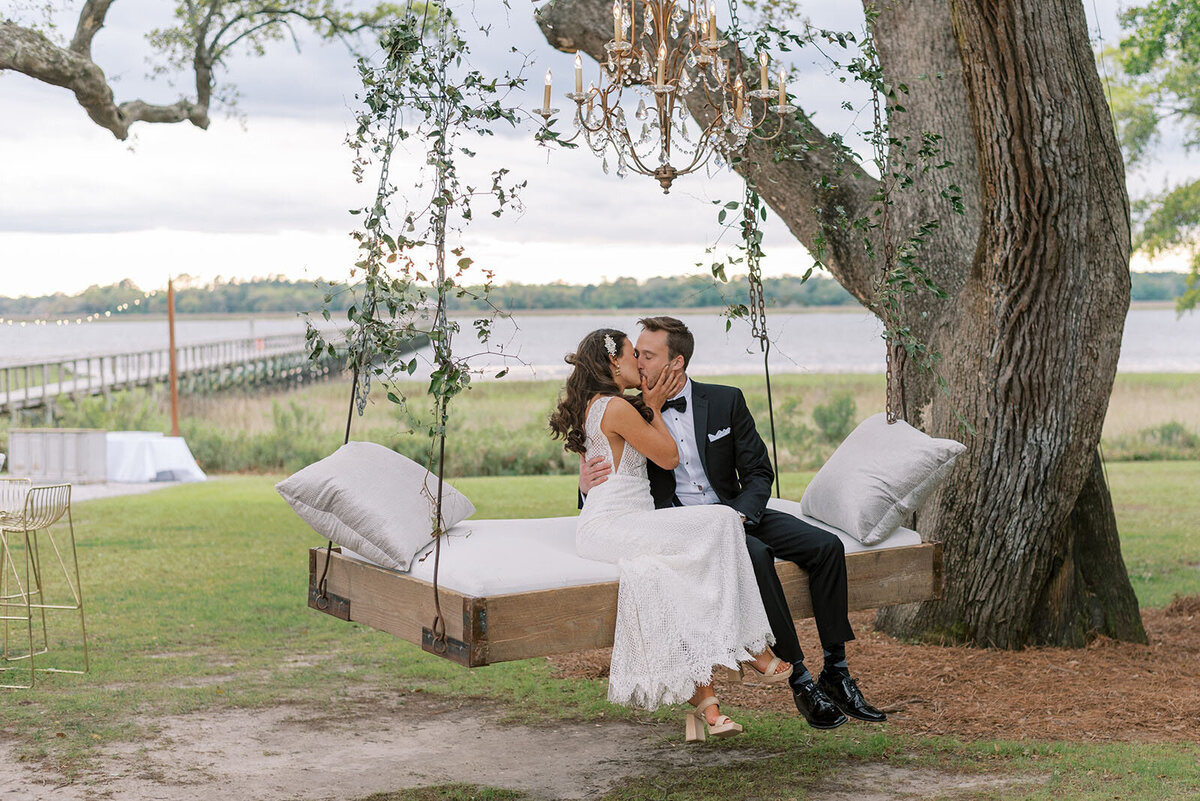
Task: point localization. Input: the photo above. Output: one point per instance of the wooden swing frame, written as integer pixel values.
(482, 630)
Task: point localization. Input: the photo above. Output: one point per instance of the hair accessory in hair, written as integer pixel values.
(610, 345)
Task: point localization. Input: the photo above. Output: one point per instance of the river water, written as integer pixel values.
(533, 345)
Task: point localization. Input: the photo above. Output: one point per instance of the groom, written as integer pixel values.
(722, 459)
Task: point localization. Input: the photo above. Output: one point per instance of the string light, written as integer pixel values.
(90, 318)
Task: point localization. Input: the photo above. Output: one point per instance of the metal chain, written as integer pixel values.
(891, 407)
(735, 33)
(758, 306)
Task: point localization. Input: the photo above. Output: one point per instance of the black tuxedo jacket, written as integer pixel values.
(732, 453)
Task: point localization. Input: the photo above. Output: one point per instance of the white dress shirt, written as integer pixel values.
(691, 485)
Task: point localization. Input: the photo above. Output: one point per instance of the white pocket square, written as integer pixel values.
(724, 432)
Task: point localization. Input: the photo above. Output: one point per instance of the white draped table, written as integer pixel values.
(140, 456)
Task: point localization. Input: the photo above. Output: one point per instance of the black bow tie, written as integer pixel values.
(678, 404)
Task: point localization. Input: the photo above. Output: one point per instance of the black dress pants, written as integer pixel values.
(822, 556)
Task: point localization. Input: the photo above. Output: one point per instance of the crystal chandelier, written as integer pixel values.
(675, 51)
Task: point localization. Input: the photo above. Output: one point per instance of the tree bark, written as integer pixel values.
(1036, 269)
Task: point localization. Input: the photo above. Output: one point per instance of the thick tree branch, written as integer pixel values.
(794, 188)
(29, 52)
(91, 19)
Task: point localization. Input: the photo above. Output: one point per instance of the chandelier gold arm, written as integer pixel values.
(672, 57)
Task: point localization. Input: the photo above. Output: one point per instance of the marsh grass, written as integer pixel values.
(499, 427)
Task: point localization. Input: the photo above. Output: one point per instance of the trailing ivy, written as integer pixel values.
(424, 94)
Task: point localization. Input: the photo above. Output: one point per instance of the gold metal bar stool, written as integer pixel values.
(14, 597)
(22, 597)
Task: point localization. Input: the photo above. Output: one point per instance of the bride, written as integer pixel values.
(688, 600)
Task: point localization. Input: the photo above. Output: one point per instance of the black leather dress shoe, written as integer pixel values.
(816, 708)
(844, 693)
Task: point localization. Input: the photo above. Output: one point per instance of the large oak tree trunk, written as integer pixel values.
(1037, 270)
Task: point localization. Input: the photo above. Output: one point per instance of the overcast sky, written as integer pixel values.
(269, 193)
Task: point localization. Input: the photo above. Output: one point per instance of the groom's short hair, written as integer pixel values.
(679, 339)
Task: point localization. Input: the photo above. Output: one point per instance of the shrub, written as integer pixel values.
(128, 410)
(1172, 440)
(835, 419)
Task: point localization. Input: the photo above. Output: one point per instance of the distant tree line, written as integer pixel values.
(278, 295)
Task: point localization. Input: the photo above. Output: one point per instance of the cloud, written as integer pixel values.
(272, 196)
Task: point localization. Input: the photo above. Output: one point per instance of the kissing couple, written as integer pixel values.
(673, 486)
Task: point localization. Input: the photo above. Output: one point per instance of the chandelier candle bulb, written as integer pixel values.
(617, 21)
(662, 62)
(782, 90)
(712, 22)
(738, 88)
(546, 96)
(763, 80)
(578, 74)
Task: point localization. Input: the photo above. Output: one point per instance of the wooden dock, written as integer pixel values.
(212, 366)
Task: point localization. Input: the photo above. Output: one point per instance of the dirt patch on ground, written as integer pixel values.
(355, 747)
(1109, 691)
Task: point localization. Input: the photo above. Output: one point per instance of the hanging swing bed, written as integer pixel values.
(515, 589)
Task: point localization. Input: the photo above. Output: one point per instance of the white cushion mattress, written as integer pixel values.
(496, 557)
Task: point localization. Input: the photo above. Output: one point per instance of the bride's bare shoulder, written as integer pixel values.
(595, 399)
(619, 408)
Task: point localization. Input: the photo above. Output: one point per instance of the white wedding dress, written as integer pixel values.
(688, 599)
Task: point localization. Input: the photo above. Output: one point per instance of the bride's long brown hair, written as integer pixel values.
(592, 376)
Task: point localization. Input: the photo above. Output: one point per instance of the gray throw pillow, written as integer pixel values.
(877, 477)
(374, 501)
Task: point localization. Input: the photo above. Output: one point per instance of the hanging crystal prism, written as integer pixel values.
(604, 165)
(690, 60)
(641, 109)
(648, 26)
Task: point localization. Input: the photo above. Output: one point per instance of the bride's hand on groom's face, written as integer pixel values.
(670, 382)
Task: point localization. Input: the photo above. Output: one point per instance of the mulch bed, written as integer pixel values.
(1108, 692)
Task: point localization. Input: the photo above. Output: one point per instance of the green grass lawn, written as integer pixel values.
(196, 599)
